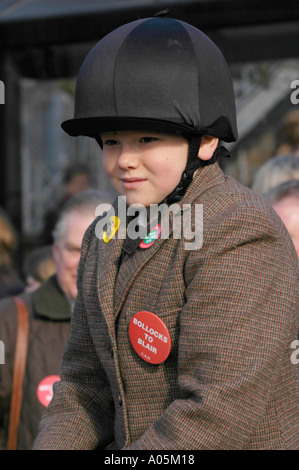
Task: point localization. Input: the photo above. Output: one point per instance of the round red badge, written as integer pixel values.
(44, 391)
(151, 237)
(149, 337)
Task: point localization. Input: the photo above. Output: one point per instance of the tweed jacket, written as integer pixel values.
(231, 309)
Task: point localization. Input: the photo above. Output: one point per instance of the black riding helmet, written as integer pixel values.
(156, 74)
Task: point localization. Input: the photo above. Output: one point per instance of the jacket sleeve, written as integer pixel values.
(235, 331)
(80, 415)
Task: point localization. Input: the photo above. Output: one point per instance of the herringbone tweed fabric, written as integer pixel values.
(231, 308)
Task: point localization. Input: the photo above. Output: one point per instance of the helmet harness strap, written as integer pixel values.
(193, 163)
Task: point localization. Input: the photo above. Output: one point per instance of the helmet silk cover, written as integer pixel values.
(157, 74)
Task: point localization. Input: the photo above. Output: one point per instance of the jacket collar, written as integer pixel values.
(204, 178)
(49, 302)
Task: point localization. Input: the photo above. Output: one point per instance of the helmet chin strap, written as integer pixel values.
(193, 163)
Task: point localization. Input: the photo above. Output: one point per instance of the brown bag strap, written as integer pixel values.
(18, 372)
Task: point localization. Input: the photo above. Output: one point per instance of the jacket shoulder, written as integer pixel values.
(234, 215)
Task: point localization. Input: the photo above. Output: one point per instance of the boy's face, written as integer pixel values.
(144, 166)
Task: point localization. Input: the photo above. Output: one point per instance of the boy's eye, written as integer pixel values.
(110, 142)
(146, 140)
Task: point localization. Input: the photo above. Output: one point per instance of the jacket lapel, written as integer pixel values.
(109, 254)
(128, 272)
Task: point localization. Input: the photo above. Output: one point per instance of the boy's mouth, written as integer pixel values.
(132, 183)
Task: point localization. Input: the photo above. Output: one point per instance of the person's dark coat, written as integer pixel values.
(10, 282)
(49, 316)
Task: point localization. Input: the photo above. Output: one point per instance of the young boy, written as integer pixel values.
(174, 348)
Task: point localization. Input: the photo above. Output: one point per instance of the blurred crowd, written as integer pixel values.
(24, 272)
(46, 283)
(277, 180)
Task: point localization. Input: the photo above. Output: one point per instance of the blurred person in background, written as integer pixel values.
(39, 265)
(288, 135)
(10, 280)
(76, 178)
(275, 171)
(284, 199)
(50, 309)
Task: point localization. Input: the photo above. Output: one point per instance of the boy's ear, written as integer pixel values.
(207, 147)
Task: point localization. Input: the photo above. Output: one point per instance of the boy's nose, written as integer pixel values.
(128, 159)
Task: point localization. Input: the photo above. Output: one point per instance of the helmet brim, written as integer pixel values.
(93, 126)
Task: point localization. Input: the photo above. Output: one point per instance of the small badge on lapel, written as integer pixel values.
(112, 227)
(149, 337)
(151, 237)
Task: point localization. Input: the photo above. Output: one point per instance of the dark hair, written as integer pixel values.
(73, 170)
(39, 263)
